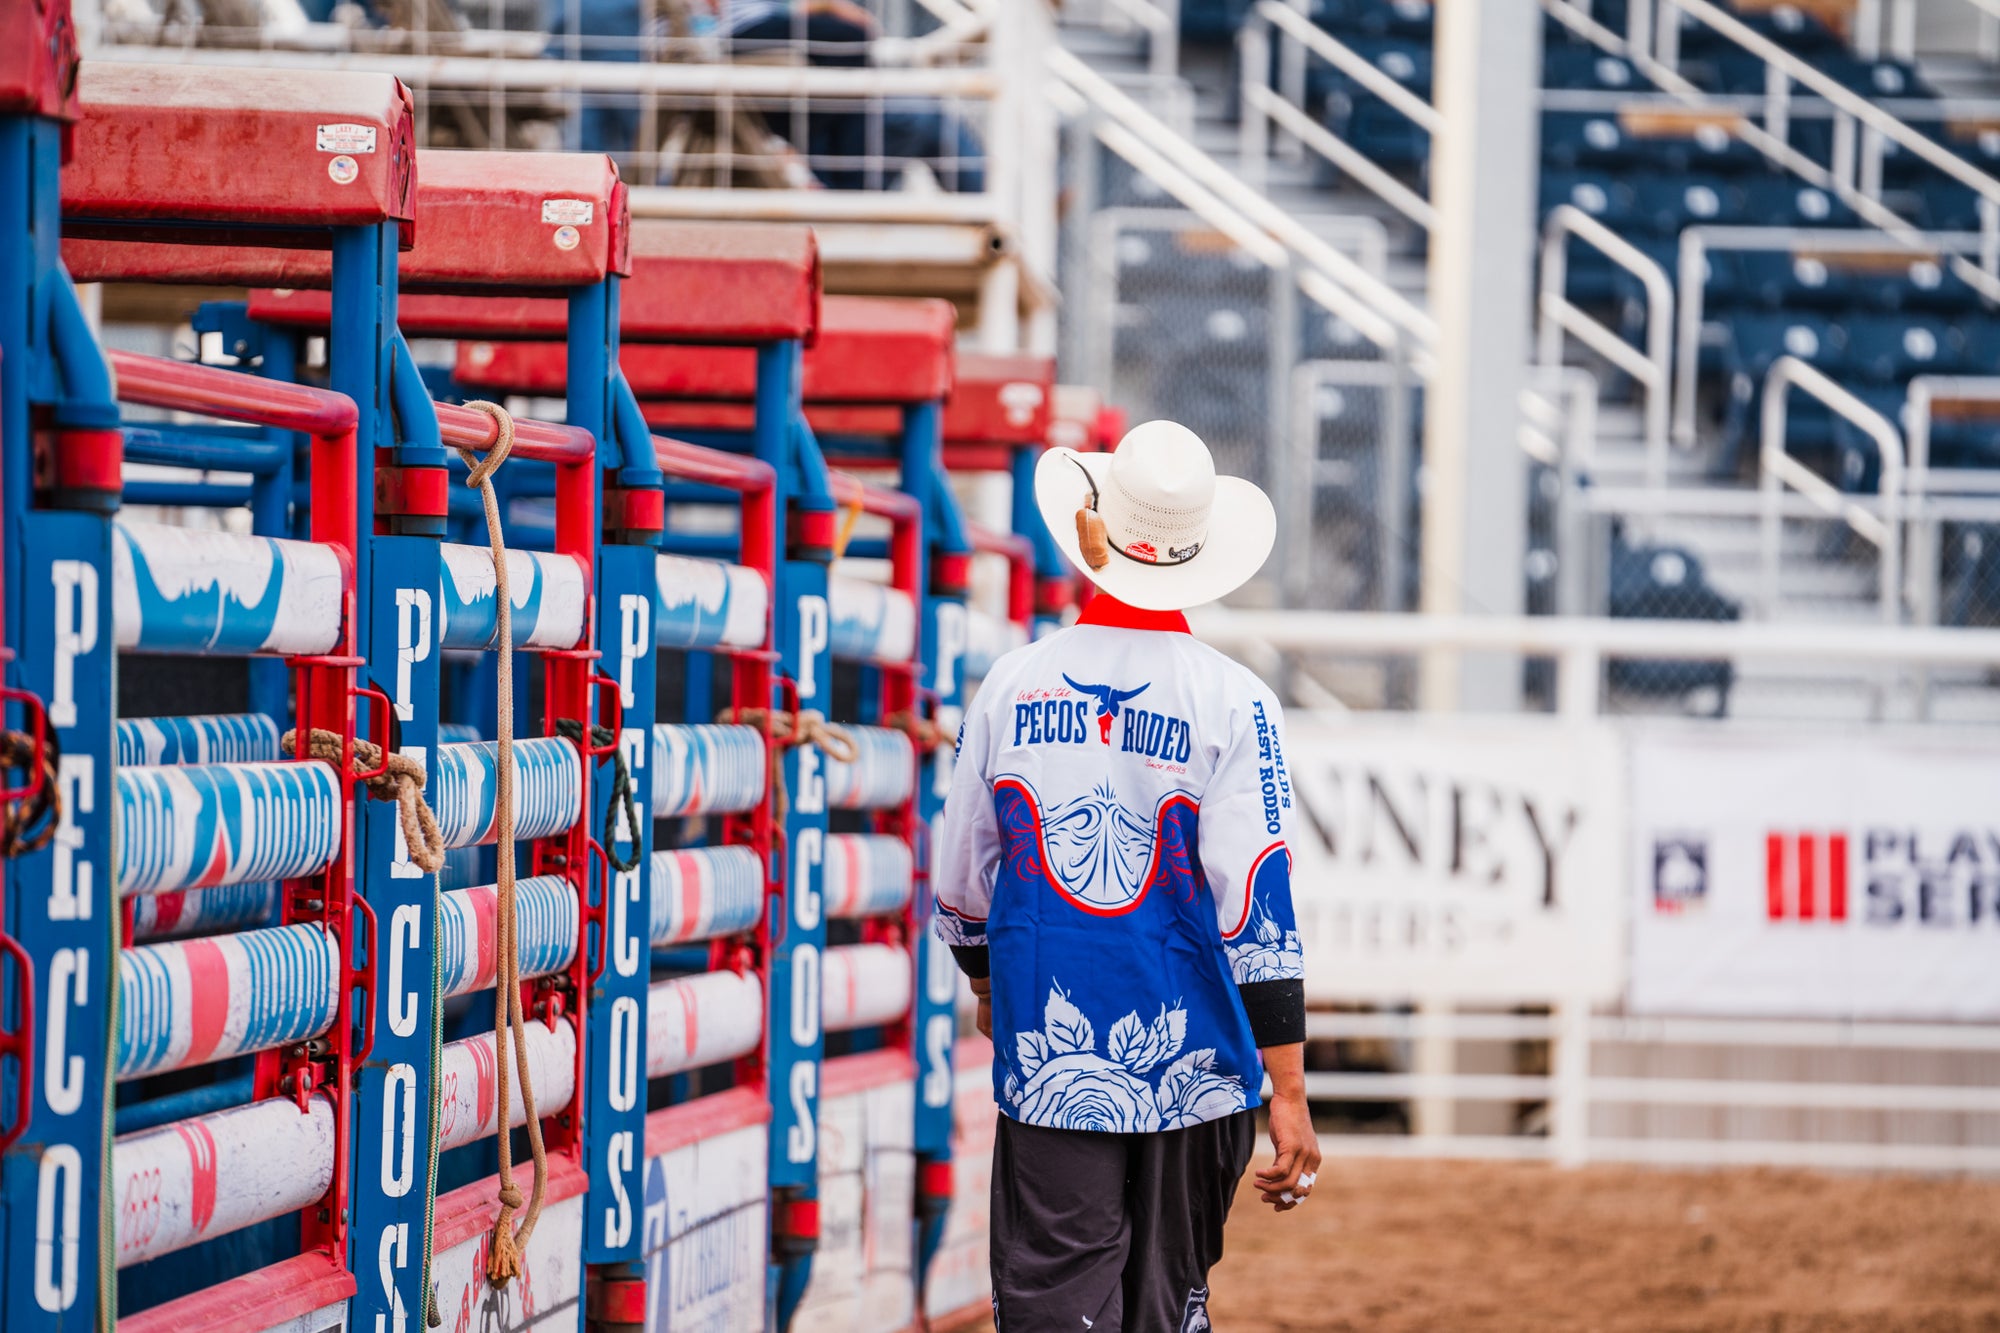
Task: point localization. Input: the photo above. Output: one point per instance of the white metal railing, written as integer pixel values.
(1861, 128)
(1855, 176)
(1697, 242)
(1580, 645)
(1969, 395)
(1264, 106)
(1651, 368)
(1578, 1042)
(1161, 20)
(1208, 188)
(1778, 470)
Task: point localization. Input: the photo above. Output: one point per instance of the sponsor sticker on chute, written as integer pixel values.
(567, 238)
(346, 138)
(575, 212)
(343, 170)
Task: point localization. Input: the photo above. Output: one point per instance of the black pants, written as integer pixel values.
(1111, 1233)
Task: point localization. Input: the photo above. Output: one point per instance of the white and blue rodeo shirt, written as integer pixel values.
(1115, 840)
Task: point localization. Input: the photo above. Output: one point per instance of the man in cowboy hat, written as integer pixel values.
(1111, 873)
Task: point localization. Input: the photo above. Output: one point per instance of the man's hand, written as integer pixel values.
(1288, 1181)
(982, 987)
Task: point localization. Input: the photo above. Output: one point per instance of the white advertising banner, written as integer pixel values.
(1856, 877)
(707, 1234)
(1457, 859)
(863, 1277)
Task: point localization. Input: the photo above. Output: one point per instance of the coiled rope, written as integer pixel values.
(401, 781)
(27, 827)
(503, 1260)
(788, 730)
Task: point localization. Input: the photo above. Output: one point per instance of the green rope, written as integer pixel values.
(623, 802)
(433, 1319)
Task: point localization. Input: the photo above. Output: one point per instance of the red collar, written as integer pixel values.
(1108, 611)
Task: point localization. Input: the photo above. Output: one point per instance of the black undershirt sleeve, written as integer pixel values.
(1277, 1011)
(972, 960)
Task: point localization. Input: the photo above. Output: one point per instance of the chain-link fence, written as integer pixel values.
(727, 118)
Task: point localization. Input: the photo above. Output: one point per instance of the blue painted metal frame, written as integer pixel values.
(60, 901)
(398, 577)
(934, 1019)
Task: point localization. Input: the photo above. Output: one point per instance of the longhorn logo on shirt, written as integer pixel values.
(1109, 700)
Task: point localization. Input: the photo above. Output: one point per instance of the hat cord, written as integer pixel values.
(1094, 542)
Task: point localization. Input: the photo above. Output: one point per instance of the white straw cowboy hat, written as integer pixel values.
(1150, 523)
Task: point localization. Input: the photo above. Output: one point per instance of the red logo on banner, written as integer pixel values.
(1805, 876)
(201, 1158)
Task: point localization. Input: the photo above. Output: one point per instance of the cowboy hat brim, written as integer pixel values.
(1242, 527)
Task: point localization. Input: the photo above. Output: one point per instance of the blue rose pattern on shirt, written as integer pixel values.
(1141, 1084)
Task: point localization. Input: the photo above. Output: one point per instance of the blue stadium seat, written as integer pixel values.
(1612, 201)
(1781, 279)
(1782, 201)
(1407, 62)
(1586, 67)
(1757, 339)
(1703, 148)
(1888, 349)
(1669, 203)
(1212, 20)
(1573, 139)
(1945, 205)
(1971, 575)
(1376, 18)
(1737, 71)
(1659, 582)
(1383, 134)
(1930, 284)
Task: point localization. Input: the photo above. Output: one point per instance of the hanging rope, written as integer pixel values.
(924, 733)
(786, 731)
(28, 827)
(503, 1260)
(622, 800)
(402, 782)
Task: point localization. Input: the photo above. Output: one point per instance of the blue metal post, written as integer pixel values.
(934, 1020)
(614, 1123)
(61, 901)
(1027, 522)
(398, 630)
(795, 1041)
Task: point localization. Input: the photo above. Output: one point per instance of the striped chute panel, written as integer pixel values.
(195, 590)
(702, 1019)
(709, 604)
(704, 893)
(465, 1104)
(870, 622)
(547, 602)
(883, 774)
(198, 825)
(196, 1001)
(706, 769)
(548, 789)
(867, 874)
(227, 907)
(988, 638)
(216, 738)
(865, 985)
(197, 1179)
(545, 914)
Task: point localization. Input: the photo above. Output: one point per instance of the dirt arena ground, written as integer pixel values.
(1445, 1247)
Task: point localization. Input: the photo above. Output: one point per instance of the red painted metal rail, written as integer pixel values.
(157, 381)
(1020, 556)
(468, 428)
